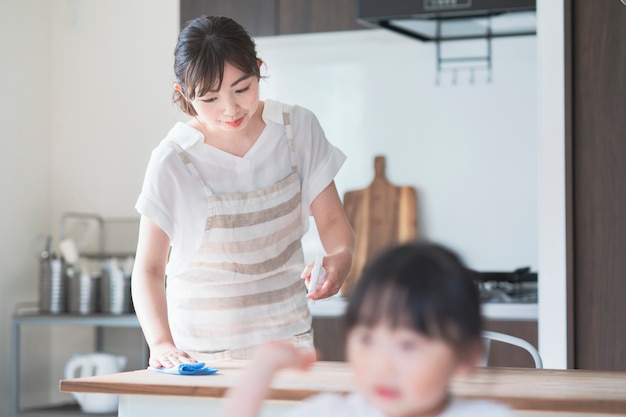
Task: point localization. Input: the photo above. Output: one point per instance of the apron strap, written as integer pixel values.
(290, 142)
(190, 167)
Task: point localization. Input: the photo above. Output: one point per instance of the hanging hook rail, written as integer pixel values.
(447, 63)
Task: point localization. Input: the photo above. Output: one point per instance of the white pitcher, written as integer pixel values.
(93, 364)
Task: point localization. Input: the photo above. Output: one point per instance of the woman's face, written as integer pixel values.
(233, 106)
(400, 371)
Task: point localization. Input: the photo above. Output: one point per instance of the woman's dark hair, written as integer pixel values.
(204, 45)
(422, 286)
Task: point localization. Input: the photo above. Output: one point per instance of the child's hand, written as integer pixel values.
(282, 355)
(246, 398)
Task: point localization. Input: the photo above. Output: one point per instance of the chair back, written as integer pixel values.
(488, 336)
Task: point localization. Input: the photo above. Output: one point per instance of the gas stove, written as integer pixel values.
(518, 286)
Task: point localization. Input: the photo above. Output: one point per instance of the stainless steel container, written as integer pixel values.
(51, 286)
(114, 289)
(81, 291)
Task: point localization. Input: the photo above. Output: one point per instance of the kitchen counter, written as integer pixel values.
(335, 306)
(529, 391)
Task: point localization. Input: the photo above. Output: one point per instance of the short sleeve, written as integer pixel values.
(318, 160)
(171, 198)
(152, 202)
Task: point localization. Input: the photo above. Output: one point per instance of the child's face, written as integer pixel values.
(400, 371)
(232, 107)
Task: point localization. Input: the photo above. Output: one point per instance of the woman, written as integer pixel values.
(225, 202)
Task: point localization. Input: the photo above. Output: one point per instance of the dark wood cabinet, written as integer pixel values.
(307, 16)
(595, 106)
(329, 338)
(258, 16)
(278, 17)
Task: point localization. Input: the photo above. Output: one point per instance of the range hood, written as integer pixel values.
(442, 20)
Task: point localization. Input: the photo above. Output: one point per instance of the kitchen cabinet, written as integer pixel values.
(595, 149)
(306, 16)
(257, 16)
(97, 322)
(329, 338)
(278, 17)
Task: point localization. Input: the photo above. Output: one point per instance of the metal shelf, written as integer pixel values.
(99, 321)
(66, 319)
(106, 255)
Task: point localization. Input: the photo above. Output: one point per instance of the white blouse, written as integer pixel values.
(172, 198)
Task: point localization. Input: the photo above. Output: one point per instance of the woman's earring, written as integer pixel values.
(179, 88)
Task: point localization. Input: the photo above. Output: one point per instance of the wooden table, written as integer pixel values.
(526, 390)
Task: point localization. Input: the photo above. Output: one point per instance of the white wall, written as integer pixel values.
(552, 239)
(24, 183)
(469, 149)
(86, 88)
(111, 74)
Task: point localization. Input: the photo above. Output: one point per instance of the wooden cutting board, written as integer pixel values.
(381, 215)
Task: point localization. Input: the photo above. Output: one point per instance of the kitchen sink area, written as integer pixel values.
(519, 286)
(508, 295)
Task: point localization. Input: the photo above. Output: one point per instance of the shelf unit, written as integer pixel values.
(97, 321)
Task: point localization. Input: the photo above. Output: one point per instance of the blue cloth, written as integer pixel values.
(199, 368)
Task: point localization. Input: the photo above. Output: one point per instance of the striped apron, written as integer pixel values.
(243, 286)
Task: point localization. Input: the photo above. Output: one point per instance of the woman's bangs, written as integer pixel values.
(203, 77)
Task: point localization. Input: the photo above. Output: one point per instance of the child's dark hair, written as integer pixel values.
(204, 45)
(422, 286)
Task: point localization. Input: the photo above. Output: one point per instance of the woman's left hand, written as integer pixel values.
(336, 267)
(337, 238)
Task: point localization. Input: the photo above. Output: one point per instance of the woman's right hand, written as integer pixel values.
(149, 300)
(167, 356)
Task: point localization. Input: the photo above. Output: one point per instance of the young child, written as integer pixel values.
(413, 323)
